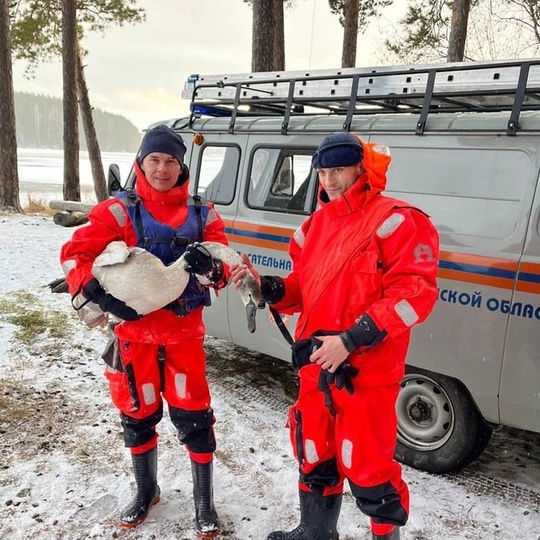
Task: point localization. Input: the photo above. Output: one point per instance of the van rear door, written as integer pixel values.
(520, 380)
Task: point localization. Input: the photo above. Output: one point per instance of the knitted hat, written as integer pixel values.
(340, 149)
(162, 139)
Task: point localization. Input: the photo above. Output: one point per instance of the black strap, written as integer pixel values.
(161, 364)
(198, 215)
(281, 325)
(139, 224)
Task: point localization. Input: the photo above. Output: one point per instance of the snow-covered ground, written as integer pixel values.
(64, 473)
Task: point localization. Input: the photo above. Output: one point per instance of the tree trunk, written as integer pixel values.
(92, 144)
(350, 33)
(9, 178)
(458, 30)
(72, 188)
(279, 36)
(262, 49)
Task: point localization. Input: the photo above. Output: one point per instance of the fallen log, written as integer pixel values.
(70, 219)
(71, 206)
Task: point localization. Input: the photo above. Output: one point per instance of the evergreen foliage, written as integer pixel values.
(39, 123)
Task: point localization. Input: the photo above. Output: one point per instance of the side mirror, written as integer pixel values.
(114, 184)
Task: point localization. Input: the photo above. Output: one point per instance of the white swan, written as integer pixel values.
(144, 283)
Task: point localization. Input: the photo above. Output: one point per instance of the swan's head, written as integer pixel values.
(250, 292)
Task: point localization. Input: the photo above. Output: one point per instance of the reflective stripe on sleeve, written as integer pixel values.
(406, 312)
(68, 265)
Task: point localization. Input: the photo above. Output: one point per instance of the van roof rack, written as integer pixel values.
(512, 86)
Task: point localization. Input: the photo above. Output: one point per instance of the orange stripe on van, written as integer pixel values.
(285, 232)
(492, 262)
(456, 275)
(257, 242)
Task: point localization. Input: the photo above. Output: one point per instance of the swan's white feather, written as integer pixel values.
(144, 283)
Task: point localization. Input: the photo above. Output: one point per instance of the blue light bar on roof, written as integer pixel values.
(208, 110)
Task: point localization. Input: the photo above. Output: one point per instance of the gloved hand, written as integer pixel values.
(342, 378)
(198, 259)
(58, 285)
(107, 302)
(209, 271)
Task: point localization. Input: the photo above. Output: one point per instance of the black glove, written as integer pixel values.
(198, 259)
(363, 333)
(107, 302)
(200, 262)
(272, 289)
(342, 378)
(58, 286)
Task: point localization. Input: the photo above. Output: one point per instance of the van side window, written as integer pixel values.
(218, 173)
(282, 179)
(458, 191)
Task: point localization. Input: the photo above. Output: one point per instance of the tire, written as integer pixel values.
(440, 429)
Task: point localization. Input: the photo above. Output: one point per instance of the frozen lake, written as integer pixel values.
(41, 172)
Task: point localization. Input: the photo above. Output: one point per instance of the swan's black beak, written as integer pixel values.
(251, 311)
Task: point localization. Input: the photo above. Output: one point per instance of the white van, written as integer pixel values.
(465, 144)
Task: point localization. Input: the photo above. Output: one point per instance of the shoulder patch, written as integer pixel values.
(117, 210)
(212, 216)
(390, 225)
(299, 236)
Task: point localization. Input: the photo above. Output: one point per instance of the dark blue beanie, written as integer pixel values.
(338, 150)
(162, 139)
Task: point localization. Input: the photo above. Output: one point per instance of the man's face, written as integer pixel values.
(337, 180)
(161, 170)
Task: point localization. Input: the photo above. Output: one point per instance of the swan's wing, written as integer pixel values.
(141, 280)
(115, 253)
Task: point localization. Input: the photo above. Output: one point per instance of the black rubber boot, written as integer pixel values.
(394, 535)
(206, 518)
(318, 519)
(145, 471)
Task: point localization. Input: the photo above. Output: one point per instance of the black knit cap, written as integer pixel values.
(340, 149)
(162, 139)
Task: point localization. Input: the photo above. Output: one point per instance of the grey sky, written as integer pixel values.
(139, 71)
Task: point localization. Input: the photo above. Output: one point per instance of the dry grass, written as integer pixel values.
(36, 205)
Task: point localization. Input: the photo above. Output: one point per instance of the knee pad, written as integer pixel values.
(195, 429)
(382, 503)
(140, 431)
(324, 475)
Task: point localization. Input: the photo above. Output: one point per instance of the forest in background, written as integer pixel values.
(39, 121)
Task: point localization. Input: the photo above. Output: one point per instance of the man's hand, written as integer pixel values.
(331, 354)
(238, 271)
(107, 302)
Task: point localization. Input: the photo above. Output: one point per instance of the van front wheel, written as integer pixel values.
(439, 427)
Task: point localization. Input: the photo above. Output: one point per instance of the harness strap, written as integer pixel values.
(139, 224)
(198, 215)
(281, 325)
(161, 364)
